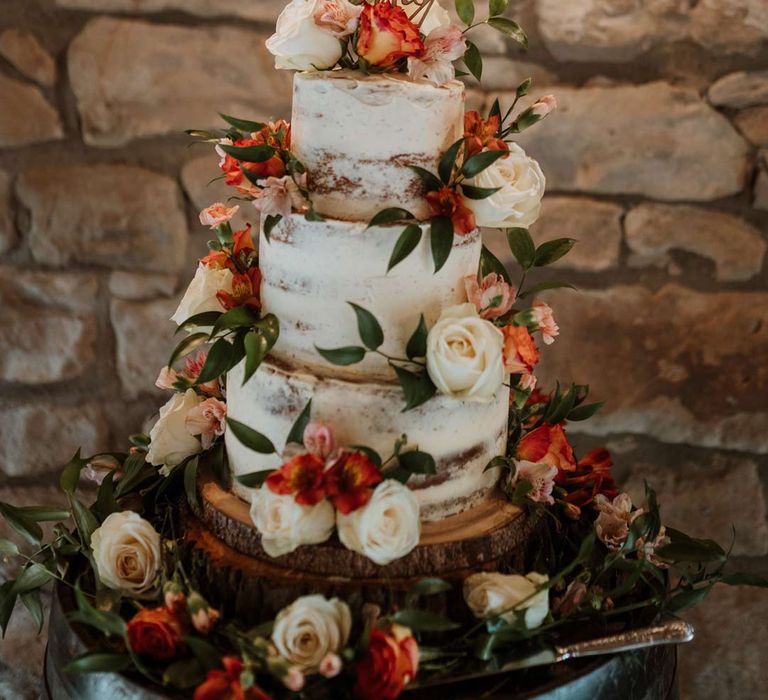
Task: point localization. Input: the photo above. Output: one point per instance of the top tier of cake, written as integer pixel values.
(357, 134)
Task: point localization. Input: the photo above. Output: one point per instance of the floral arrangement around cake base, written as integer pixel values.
(600, 558)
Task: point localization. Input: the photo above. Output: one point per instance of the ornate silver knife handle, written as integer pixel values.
(670, 632)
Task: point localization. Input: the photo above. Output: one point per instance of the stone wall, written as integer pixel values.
(657, 162)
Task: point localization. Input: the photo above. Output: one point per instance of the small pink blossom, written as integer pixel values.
(97, 469)
(207, 420)
(167, 378)
(544, 106)
(647, 550)
(217, 214)
(319, 439)
(294, 679)
(192, 368)
(279, 197)
(527, 381)
(339, 17)
(542, 315)
(442, 46)
(493, 297)
(541, 476)
(613, 520)
(204, 619)
(330, 666)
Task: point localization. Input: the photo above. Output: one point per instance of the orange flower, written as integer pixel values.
(549, 445)
(593, 476)
(216, 259)
(520, 352)
(225, 684)
(243, 242)
(350, 481)
(245, 290)
(481, 133)
(277, 135)
(389, 665)
(157, 633)
(448, 202)
(386, 35)
(302, 476)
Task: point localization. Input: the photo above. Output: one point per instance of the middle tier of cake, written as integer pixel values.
(462, 435)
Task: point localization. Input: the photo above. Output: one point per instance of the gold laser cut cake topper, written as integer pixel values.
(422, 8)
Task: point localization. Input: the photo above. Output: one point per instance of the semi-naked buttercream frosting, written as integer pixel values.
(357, 134)
(462, 435)
(311, 269)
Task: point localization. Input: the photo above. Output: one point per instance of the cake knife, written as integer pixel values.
(672, 631)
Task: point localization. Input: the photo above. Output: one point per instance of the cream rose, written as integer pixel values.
(299, 43)
(518, 202)
(126, 551)
(201, 293)
(464, 354)
(386, 528)
(310, 629)
(285, 525)
(488, 594)
(171, 441)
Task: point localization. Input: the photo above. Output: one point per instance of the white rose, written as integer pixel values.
(299, 43)
(285, 525)
(464, 354)
(518, 202)
(437, 16)
(384, 529)
(170, 440)
(311, 628)
(126, 550)
(201, 293)
(488, 594)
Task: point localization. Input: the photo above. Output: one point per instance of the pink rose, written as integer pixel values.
(167, 378)
(207, 420)
(493, 297)
(614, 518)
(330, 666)
(217, 214)
(544, 106)
(541, 476)
(339, 17)
(435, 63)
(542, 315)
(319, 439)
(279, 197)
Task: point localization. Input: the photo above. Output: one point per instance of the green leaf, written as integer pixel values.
(441, 240)
(296, 435)
(251, 438)
(190, 481)
(21, 523)
(585, 411)
(205, 652)
(368, 327)
(495, 7)
(418, 462)
(85, 521)
(742, 578)
(249, 154)
(106, 504)
(480, 161)
(99, 662)
(256, 349)
(423, 621)
(472, 192)
(501, 462)
(107, 622)
(217, 363)
(7, 603)
(34, 605)
(550, 251)
(692, 550)
(33, 576)
(242, 124)
(510, 28)
(465, 9)
(473, 60)
(687, 599)
(391, 215)
(269, 327)
(543, 287)
(184, 674)
(270, 221)
(417, 343)
(71, 474)
(186, 346)
(42, 514)
(430, 586)
(523, 88)
(447, 162)
(490, 263)
(349, 355)
(405, 245)
(202, 320)
(135, 470)
(418, 388)
(430, 181)
(239, 317)
(522, 247)
(8, 548)
(254, 480)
